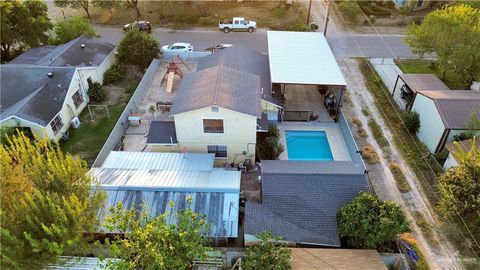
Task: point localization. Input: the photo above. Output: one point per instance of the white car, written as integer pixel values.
(177, 47)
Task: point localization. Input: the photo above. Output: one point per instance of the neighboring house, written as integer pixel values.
(151, 180)
(220, 108)
(444, 115)
(465, 145)
(300, 200)
(46, 87)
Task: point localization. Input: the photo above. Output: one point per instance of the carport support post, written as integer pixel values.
(339, 103)
(395, 87)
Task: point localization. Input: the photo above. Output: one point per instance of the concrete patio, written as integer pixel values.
(306, 98)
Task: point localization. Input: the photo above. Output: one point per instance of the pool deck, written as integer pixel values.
(334, 135)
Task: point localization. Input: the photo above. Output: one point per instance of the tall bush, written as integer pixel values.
(350, 10)
(114, 74)
(268, 254)
(412, 121)
(96, 93)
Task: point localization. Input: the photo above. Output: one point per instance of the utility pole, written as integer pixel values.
(309, 8)
(326, 18)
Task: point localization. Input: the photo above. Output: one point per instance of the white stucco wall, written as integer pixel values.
(239, 133)
(431, 125)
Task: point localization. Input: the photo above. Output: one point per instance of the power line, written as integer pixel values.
(408, 152)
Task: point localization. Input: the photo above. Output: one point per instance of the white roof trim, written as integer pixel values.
(302, 58)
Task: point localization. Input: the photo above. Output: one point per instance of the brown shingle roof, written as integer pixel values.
(455, 106)
(464, 145)
(423, 82)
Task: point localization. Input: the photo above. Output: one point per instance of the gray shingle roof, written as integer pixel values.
(244, 59)
(30, 94)
(300, 205)
(162, 132)
(68, 54)
(219, 86)
(455, 106)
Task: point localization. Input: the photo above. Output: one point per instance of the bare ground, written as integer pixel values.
(439, 255)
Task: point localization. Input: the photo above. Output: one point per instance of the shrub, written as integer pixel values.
(412, 121)
(114, 74)
(273, 131)
(369, 223)
(271, 148)
(372, 19)
(378, 133)
(280, 12)
(350, 10)
(268, 254)
(96, 93)
(370, 155)
(402, 182)
(298, 26)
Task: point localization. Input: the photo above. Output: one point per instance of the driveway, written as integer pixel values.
(388, 72)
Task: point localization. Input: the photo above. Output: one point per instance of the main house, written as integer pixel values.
(220, 108)
(45, 88)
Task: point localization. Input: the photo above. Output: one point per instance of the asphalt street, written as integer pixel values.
(343, 45)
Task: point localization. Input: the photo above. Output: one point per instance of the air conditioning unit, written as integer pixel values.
(75, 122)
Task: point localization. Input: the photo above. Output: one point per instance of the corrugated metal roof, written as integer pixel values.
(78, 263)
(153, 179)
(159, 161)
(455, 106)
(423, 82)
(215, 180)
(302, 58)
(220, 86)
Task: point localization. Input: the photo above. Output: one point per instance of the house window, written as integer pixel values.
(56, 124)
(77, 99)
(212, 125)
(220, 151)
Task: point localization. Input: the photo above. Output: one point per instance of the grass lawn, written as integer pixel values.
(452, 80)
(87, 140)
(415, 157)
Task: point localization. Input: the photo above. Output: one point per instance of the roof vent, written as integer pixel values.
(50, 74)
(82, 45)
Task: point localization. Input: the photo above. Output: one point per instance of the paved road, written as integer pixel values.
(343, 45)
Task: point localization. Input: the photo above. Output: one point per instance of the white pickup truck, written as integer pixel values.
(237, 24)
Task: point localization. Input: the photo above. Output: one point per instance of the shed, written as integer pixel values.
(300, 200)
(452, 147)
(417, 83)
(444, 115)
(152, 180)
(301, 59)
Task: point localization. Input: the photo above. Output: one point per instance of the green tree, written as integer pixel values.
(23, 24)
(133, 4)
(412, 121)
(72, 28)
(75, 4)
(152, 243)
(459, 190)
(270, 254)
(138, 49)
(97, 93)
(47, 203)
(453, 33)
(109, 5)
(350, 10)
(367, 222)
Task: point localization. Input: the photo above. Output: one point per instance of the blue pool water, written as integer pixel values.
(308, 145)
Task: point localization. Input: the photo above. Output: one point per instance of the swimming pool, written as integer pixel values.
(308, 145)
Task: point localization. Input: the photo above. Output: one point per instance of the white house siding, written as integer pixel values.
(239, 133)
(96, 73)
(450, 162)
(431, 125)
(37, 130)
(68, 110)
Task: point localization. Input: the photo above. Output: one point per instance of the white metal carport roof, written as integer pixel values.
(302, 58)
